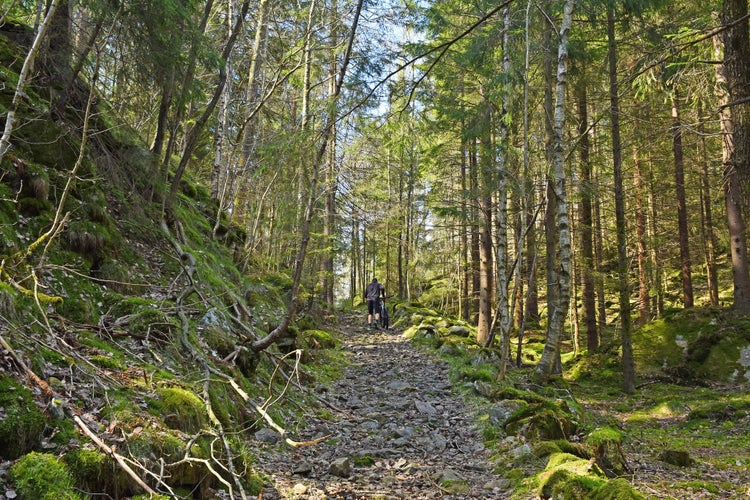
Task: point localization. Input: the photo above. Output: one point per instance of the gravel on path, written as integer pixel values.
(401, 433)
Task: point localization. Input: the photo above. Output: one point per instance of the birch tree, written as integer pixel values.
(562, 222)
(23, 76)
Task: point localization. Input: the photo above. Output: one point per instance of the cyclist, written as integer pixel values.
(373, 291)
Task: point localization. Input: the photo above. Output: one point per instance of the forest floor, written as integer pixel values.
(398, 431)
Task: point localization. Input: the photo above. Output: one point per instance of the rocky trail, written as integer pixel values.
(398, 432)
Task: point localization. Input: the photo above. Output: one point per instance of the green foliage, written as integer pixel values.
(41, 476)
(21, 422)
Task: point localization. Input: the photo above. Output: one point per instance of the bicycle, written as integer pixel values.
(384, 320)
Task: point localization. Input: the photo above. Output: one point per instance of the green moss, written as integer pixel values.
(141, 316)
(603, 435)
(564, 468)
(107, 362)
(41, 476)
(317, 339)
(95, 472)
(180, 408)
(365, 461)
(226, 409)
(22, 423)
(485, 373)
(615, 489)
(8, 307)
(727, 409)
(547, 448)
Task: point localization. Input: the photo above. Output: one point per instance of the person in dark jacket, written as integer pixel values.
(373, 291)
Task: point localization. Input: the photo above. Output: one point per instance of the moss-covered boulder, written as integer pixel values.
(615, 489)
(180, 409)
(317, 339)
(41, 476)
(96, 473)
(21, 422)
(540, 423)
(607, 445)
(563, 468)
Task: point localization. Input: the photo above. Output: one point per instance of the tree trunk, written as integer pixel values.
(329, 204)
(487, 188)
(679, 175)
(475, 222)
(657, 270)
(550, 229)
(644, 304)
(551, 353)
(707, 223)
(733, 78)
(628, 367)
(465, 226)
(253, 84)
(503, 312)
(588, 296)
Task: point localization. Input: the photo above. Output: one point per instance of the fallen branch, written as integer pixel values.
(111, 452)
(282, 431)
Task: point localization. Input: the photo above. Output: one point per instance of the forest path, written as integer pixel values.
(400, 433)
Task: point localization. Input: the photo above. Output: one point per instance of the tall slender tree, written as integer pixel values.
(551, 352)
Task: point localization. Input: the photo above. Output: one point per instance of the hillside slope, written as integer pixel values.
(116, 326)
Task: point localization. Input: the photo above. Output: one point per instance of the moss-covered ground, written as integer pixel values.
(683, 434)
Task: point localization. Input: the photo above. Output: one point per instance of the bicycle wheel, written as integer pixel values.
(384, 317)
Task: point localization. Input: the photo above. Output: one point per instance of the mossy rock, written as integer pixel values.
(8, 299)
(547, 448)
(180, 409)
(678, 458)
(142, 317)
(615, 489)
(22, 422)
(562, 468)
(41, 476)
(154, 445)
(95, 472)
(607, 445)
(537, 422)
(317, 339)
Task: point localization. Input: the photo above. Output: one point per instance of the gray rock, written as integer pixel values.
(447, 475)
(502, 411)
(214, 318)
(521, 451)
(403, 432)
(303, 469)
(267, 436)
(425, 407)
(458, 331)
(370, 425)
(497, 485)
(341, 467)
(448, 349)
